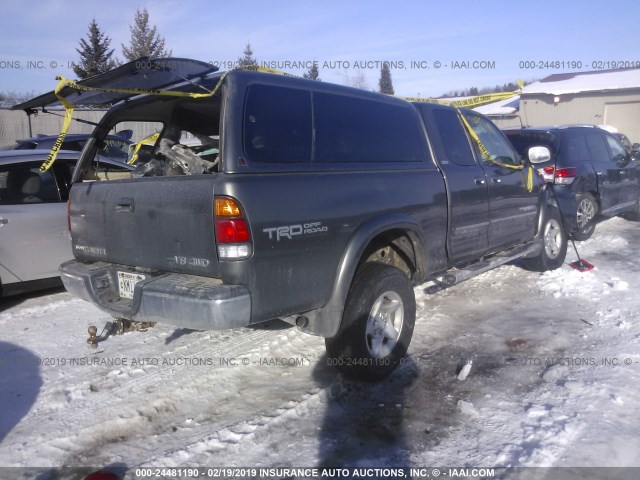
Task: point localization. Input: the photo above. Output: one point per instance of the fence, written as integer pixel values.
(14, 124)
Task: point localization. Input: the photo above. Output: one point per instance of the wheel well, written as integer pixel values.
(395, 248)
(596, 197)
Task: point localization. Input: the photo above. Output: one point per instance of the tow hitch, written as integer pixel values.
(119, 326)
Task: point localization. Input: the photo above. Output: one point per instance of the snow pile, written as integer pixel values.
(553, 379)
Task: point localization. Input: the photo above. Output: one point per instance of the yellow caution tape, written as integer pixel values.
(68, 107)
(134, 156)
(466, 102)
(485, 153)
(65, 82)
(255, 68)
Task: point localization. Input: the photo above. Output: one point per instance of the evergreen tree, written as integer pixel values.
(313, 72)
(95, 56)
(145, 40)
(247, 59)
(385, 83)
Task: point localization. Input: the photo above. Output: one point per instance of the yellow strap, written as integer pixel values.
(528, 181)
(65, 82)
(135, 91)
(134, 156)
(466, 102)
(68, 107)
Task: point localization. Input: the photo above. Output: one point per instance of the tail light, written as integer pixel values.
(233, 236)
(559, 176)
(564, 176)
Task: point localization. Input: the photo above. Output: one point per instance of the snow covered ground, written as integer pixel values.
(555, 381)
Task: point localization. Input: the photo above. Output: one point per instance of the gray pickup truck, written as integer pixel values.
(314, 203)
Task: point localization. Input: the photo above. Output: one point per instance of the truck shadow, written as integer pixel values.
(20, 384)
(9, 302)
(270, 325)
(364, 423)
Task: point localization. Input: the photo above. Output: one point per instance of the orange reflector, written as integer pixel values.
(227, 207)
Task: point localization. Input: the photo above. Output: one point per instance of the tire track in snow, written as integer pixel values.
(110, 406)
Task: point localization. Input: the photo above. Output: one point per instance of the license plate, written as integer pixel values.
(127, 283)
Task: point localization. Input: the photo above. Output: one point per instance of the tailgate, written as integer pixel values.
(158, 223)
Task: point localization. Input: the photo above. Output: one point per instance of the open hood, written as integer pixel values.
(143, 73)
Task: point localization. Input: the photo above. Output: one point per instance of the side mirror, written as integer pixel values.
(539, 154)
(635, 147)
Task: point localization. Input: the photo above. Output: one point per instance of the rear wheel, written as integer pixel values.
(377, 323)
(586, 213)
(555, 245)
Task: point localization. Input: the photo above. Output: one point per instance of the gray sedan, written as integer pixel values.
(34, 237)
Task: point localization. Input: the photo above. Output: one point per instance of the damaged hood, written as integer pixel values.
(160, 73)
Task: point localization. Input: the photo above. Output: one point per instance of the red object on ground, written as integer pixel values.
(582, 265)
(102, 476)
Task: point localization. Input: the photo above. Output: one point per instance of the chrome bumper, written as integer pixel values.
(188, 301)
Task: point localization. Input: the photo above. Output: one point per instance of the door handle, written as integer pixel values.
(479, 181)
(496, 180)
(124, 205)
(4, 221)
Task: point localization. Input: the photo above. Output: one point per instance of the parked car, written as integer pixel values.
(624, 140)
(325, 206)
(635, 151)
(34, 234)
(115, 147)
(594, 176)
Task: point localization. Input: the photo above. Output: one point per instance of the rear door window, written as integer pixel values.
(451, 133)
(597, 147)
(350, 129)
(573, 148)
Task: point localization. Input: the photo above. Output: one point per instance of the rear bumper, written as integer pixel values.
(189, 301)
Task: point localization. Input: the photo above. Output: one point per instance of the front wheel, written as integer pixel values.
(377, 323)
(555, 245)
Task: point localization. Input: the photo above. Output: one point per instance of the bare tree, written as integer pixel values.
(358, 80)
(9, 99)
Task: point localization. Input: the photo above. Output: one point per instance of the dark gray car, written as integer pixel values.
(115, 147)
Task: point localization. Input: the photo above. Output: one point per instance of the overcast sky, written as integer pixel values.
(39, 38)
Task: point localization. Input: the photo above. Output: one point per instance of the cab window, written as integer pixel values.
(500, 150)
